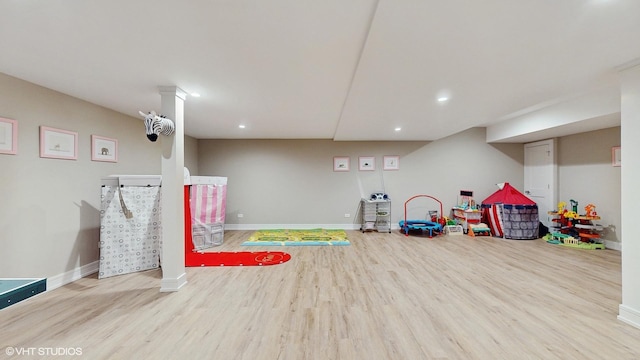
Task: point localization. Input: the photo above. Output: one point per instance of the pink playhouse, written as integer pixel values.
(510, 214)
(205, 204)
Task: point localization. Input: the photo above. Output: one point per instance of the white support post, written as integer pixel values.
(172, 192)
(629, 310)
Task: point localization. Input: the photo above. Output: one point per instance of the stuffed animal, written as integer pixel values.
(156, 125)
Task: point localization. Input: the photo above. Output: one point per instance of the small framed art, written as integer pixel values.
(616, 156)
(366, 163)
(340, 163)
(104, 149)
(8, 136)
(390, 162)
(58, 144)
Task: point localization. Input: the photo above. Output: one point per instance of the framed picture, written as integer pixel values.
(340, 163)
(391, 162)
(8, 136)
(58, 144)
(616, 157)
(104, 149)
(366, 163)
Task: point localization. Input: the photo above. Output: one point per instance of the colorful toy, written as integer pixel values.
(466, 201)
(448, 221)
(562, 207)
(480, 229)
(574, 205)
(510, 214)
(453, 230)
(576, 230)
(433, 227)
(567, 240)
(590, 210)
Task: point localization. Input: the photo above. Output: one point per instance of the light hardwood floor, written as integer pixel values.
(386, 296)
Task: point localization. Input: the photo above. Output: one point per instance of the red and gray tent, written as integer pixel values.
(510, 214)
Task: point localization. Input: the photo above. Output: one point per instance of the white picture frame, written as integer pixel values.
(391, 162)
(58, 144)
(366, 163)
(8, 136)
(341, 163)
(104, 149)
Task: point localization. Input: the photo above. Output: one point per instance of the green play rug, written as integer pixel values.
(307, 237)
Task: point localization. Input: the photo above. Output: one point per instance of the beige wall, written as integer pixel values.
(281, 182)
(586, 174)
(49, 208)
(292, 181)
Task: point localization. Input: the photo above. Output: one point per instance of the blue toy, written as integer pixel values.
(420, 225)
(433, 226)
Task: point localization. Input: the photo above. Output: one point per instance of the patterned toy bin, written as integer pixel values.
(130, 224)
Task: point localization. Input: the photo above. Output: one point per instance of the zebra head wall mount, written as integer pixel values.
(156, 125)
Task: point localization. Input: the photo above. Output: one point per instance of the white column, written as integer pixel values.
(172, 257)
(629, 310)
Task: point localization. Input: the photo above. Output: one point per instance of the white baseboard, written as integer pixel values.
(290, 226)
(613, 245)
(629, 316)
(297, 226)
(70, 276)
(171, 285)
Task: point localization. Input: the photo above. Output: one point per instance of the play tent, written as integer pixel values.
(510, 214)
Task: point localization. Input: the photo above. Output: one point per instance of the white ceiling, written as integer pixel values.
(331, 69)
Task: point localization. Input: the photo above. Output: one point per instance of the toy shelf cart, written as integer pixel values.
(376, 215)
(464, 217)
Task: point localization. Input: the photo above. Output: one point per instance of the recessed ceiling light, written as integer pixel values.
(195, 94)
(398, 129)
(443, 95)
(241, 126)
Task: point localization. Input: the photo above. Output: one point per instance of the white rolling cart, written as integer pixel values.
(375, 214)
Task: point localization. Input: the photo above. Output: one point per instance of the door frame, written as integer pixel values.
(553, 181)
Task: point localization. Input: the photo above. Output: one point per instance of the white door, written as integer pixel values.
(540, 177)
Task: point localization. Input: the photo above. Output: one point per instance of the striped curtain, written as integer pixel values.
(208, 204)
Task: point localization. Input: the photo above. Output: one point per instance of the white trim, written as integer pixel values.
(171, 285)
(70, 276)
(290, 226)
(552, 195)
(628, 65)
(629, 316)
(298, 226)
(613, 245)
(587, 111)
